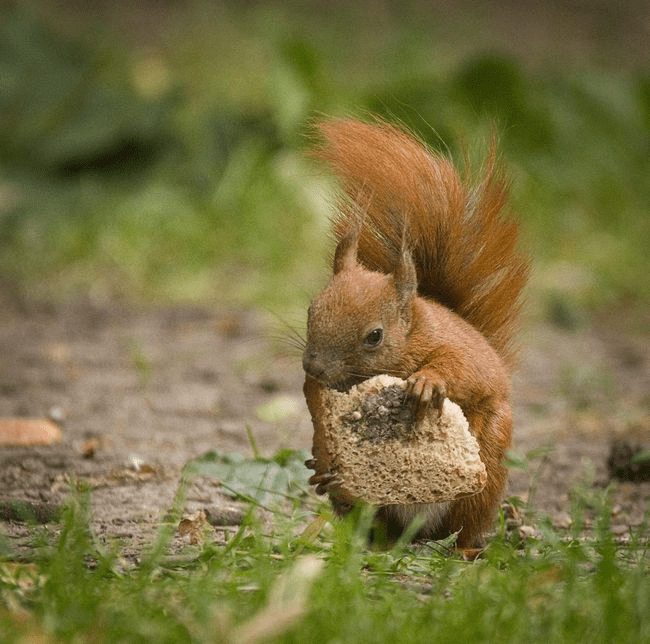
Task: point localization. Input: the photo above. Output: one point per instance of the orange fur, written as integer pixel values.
(407, 219)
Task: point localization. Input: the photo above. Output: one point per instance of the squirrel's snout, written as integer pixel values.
(326, 369)
(312, 365)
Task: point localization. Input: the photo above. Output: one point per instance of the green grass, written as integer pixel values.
(177, 172)
(280, 584)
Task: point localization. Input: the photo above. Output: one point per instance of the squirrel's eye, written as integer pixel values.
(374, 337)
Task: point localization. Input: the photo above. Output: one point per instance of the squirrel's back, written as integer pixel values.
(463, 247)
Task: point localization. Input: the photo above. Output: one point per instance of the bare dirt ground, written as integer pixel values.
(141, 392)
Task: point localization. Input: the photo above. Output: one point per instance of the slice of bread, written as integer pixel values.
(369, 440)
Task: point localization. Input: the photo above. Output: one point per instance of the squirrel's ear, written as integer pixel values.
(345, 255)
(405, 279)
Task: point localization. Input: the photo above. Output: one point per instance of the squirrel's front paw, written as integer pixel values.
(425, 390)
(325, 482)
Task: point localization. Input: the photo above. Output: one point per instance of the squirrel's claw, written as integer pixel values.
(324, 482)
(425, 392)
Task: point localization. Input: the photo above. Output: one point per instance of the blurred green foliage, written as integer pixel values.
(178, 171)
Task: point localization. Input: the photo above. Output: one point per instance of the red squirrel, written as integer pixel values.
(427, 284)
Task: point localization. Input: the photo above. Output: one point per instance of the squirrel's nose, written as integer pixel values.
(311, 365)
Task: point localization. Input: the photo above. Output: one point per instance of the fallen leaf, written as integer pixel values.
(28, 431)
(194, 527)
(89, 448)
(265, 480)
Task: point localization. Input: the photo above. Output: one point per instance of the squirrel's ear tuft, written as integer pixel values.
(345, 255)
(405, 279)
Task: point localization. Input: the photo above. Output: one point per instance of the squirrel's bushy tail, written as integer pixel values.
(463, 247)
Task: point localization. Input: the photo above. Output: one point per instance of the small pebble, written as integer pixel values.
(563, 520)
(57, 415)
(527, 531)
